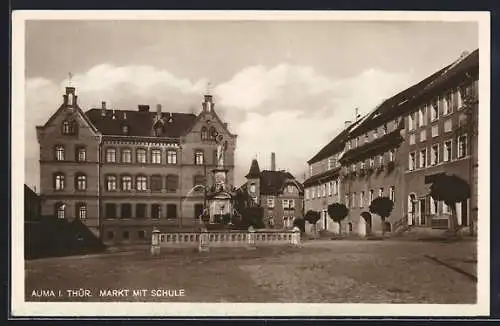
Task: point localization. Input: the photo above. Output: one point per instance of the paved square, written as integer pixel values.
(321, 271)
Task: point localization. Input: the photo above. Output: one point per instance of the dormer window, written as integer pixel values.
(125, 129)
(69, 127)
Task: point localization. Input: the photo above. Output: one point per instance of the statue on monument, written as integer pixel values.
(221, 148)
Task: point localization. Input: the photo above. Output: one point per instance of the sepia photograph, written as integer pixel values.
(293, 163)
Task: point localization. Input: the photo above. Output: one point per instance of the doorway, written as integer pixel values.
(422, 211)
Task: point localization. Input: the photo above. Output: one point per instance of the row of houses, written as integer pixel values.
(398, 148)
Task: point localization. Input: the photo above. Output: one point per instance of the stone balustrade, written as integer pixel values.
(217, 239)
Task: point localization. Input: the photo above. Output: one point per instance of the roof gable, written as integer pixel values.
(273, 182)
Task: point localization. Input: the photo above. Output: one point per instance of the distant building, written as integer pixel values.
(32, 205)
(123, 172)
(398, 148)
(277, 192)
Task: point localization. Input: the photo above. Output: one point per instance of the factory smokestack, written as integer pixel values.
(273, 161)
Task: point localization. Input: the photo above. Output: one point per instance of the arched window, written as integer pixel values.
(80, 182)
(59, 181)
(60, 210)
(81, 211)
(59, 153)
(212, 133)
(204, 133)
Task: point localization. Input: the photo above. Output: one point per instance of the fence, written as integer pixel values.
(207, 239)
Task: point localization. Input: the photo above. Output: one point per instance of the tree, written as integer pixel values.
(450, 189)
(312, 217)
(382, 206)
(300, 223)
(338, 212)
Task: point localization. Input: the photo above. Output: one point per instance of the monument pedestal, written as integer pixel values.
(220, 204)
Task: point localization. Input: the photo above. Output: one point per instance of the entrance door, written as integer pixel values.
(422, 211)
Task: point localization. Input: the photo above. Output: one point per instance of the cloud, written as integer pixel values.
(291, 110)
(294, 110)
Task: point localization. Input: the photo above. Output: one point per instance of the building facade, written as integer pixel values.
(123, 172)
(278, 192)
(398, 148)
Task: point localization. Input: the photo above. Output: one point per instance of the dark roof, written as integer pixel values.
(335, 145)
(322, 177)
(140, 123)
(428, 87)
(254, 171)
(273, 182)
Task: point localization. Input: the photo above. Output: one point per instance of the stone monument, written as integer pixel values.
(220, 196)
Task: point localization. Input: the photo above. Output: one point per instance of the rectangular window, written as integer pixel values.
(423, 135)
(381, 192)
(412, 162)
(140, 155)
(156, 183)
(199, 180)
(199, 157)
(331, 162)
(126, 155)
(110, 155)
(329, 188)
(411, 121)
(435, 131)
(370, 196)
(141, 183)
(447, 104)
(307, 193)
(171, 157)
(435, 154)
(126, 210)
(110, 210)
(372, 162)
(462, 146)
(156, 211)
(140, 210)
(319, 192)
(126, 235)
(111, 183)
(324, 190)
(423, 158)
(81, 182)
(59, 153)
(171, 211)
(412, 139)
(313, 192)
(291, 203)
(392, 194)
(81, 154)
(391, 155)
(346, 200)
(141, 234)
(156, 156)
(447, 125)
(335, 187)
(81, 212)
(172, 183)
(356, 142)
(126, 183)
(353, 199)
(447, 151)
(422, 116)
(454, 99)
(434, 110)
(284, 203)
(361, 199)
(270, 202)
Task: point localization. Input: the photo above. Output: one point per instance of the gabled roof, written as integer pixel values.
(322, 177)
(273, 182)
(140, 123)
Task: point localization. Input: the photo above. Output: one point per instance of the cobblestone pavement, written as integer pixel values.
(321, 271)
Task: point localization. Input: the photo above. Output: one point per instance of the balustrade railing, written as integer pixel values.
(206, 239)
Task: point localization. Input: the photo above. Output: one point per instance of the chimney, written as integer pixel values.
(347, 123)
(143, 108)
(103, 108)
(158, 109)
(273, 161)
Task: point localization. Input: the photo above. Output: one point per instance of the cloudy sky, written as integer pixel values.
(283, 86)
